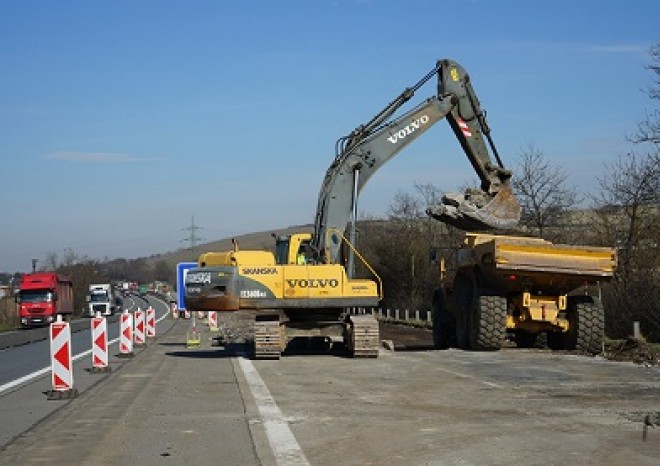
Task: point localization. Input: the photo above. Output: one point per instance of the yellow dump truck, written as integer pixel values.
(525, 287)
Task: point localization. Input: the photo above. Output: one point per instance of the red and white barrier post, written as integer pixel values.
(61, 362)
(175, 311)
(100, 345)
(139, 327)
(126, 335)
(151, 322)
(213, 321)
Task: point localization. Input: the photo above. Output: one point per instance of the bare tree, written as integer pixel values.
(542, 191)
(648, 129)
(405, 207)
(629, 208)
(400, 248)
(629, 217)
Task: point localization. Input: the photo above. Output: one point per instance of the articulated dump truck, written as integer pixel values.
(525, 287)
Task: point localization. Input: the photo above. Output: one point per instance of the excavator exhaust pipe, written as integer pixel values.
(477, 210)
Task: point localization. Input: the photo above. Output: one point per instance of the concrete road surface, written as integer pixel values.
(173, 405)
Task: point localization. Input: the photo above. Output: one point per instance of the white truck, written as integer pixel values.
(101, 299)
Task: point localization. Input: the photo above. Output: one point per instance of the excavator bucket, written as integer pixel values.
(477, 210)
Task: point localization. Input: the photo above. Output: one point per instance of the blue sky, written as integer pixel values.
(120, 120)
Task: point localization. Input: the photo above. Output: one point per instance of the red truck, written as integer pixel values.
(42, 297)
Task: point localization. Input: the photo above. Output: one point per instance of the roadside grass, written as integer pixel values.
(8, 316)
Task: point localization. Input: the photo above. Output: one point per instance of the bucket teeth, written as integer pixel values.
(476, 210)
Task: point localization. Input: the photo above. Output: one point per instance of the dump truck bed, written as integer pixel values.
(516, 258)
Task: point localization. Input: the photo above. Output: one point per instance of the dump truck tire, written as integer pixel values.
(443, 322)
(488, 323)
(586, 325)
(463, 296)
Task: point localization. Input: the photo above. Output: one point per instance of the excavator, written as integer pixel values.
(303, 289)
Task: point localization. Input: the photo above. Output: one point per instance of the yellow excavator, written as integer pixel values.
(304, 288)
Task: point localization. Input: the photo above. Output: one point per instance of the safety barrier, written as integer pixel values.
(213, 321)
(138, 335)
(61, 363)
(100, 344)
(151, 322)
(126, 335)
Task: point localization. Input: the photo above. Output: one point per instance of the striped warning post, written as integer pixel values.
(126, 335)
(100, 345)
(138, 337)
(213, 321)
(151, 322)
(61, 362)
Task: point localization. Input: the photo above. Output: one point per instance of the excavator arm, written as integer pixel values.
(361, 153)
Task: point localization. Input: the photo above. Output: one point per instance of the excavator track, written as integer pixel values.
(267, 339)
(363, 336)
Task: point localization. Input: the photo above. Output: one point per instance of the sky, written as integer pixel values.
(121, 121)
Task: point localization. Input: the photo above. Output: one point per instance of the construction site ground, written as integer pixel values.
(418, 338)
(213, 405)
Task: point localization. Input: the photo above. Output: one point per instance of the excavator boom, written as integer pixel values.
(370, 146)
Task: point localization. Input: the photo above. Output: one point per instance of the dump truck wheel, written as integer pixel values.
(489, 323)
(463, 296)
(443, 322)
(586, 319)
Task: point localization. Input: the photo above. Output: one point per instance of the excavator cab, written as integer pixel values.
(292, 249)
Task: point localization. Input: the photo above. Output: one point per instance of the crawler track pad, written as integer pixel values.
(476, 210)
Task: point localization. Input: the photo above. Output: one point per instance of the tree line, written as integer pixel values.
(84, 271)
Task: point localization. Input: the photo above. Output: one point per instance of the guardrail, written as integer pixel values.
(30, 335)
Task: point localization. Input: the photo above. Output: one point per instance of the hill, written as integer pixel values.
(262, 240)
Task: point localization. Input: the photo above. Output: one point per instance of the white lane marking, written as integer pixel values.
(45, 370)
(463, 376)
(281, 439)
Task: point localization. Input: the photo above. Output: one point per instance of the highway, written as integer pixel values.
(25, 370)
(209, 405)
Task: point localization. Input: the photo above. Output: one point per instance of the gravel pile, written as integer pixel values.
(236, 327)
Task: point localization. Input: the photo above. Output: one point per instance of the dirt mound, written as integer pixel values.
(637, 351)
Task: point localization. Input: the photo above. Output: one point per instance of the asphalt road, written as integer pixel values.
(24, 404)
(175, 405)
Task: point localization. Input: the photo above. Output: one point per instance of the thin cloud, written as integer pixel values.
(572, 47)
(91, 157)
